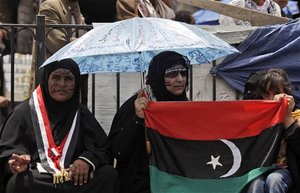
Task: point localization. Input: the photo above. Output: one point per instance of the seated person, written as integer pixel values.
(143, 8)
(51, 143)
(167, 80)
(273, 84)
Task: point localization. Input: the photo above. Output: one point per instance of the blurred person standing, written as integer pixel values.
(281, 3)
(8, 14)
(60, 12)
(289, 8)
(185, 16)
(4, 102)
(144, 8)
(63, 12)
(27, 10)
(20, 12)
(8, 11)
(264, 6)
(285, 12)
(98, 11)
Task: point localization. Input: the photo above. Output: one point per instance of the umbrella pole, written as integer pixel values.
(118, 89)
(93, 93)
(142, 75)
(214, 83)
(191, 83)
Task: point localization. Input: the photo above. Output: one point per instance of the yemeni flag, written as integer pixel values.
(212, 147)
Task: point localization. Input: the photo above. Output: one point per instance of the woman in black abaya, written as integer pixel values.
(167, 80)
(51, 143)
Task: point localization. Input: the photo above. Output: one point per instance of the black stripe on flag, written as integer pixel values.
(196, 159)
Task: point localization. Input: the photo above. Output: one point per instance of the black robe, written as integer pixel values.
(293, 155)
(18, 136)
(127, 139)
(127, 135)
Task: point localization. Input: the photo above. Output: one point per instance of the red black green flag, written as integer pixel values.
(212, 147)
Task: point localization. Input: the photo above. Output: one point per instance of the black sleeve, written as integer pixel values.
(95, 139)
(292, 136)
(127, 131)
(292, 132)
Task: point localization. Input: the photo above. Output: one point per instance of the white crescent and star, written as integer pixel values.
(214, 162)
(237, 159)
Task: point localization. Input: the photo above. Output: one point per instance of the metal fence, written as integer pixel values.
(39, 33)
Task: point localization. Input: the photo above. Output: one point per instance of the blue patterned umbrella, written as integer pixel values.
(129, 45)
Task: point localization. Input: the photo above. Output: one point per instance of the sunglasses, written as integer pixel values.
(173, 72)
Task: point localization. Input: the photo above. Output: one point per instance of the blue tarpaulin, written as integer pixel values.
(207, 17)
(267, 47)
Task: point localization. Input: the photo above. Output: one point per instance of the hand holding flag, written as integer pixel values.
(290, 107)
(141, 104)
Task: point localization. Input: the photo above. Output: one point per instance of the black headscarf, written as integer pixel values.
(61, 114)
(250, 90)
(156, 74)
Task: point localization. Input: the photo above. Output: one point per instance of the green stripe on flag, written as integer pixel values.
(162, 182)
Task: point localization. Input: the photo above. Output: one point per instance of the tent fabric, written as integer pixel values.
(207, 17)
(267, 47)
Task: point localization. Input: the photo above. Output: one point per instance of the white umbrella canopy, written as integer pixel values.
(129, 45)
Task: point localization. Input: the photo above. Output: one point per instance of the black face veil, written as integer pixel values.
(156, 74)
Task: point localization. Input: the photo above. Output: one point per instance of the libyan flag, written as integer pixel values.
(212, 147)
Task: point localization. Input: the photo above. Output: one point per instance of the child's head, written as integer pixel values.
(272, 82)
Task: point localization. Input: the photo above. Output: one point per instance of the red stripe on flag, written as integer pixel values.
(214, 120)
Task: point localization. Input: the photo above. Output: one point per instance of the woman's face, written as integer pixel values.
(61, 84)
(175, 79)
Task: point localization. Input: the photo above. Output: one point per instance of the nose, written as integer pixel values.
(179, 77)
(62, 82)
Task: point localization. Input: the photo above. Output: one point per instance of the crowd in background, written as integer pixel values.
(24, 11)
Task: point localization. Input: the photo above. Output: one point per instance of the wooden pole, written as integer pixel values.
(256, 18)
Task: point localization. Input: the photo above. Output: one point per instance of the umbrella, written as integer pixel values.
(129, 45)
(267, 47)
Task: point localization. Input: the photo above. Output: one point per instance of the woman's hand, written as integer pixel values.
(79, 172)
(18, 163)
(291, 105)
(289, 98)
(140, 104)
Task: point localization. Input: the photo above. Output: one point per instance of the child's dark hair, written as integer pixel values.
(273, 80)
(260, 83)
